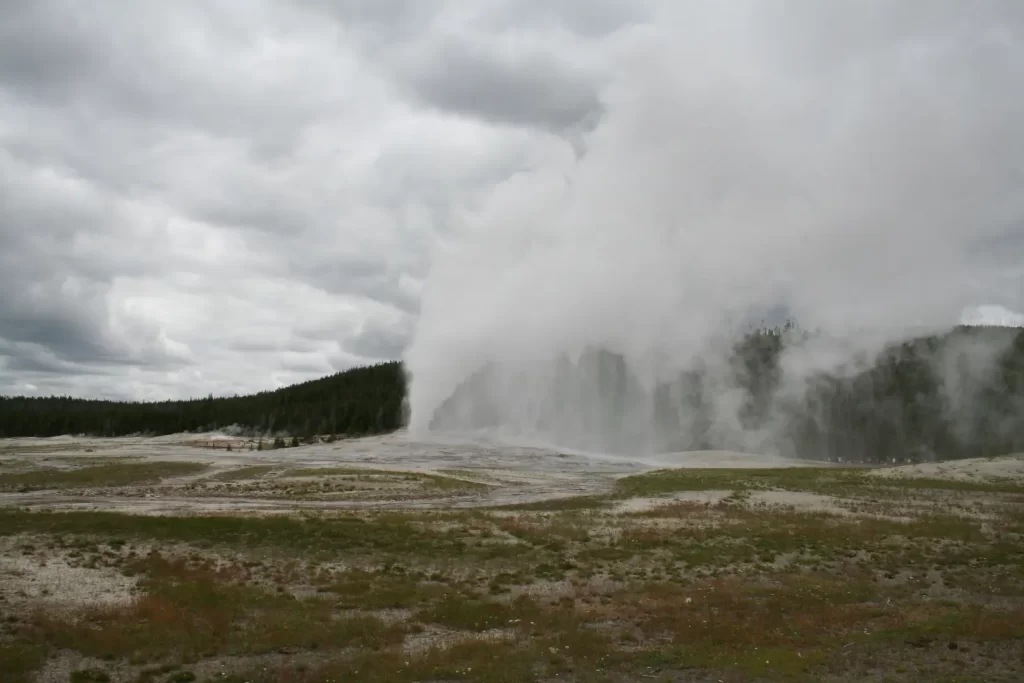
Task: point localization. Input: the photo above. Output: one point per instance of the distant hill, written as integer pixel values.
(360, 401)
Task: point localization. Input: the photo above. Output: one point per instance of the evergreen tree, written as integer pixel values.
(899, 407)
(352, 399)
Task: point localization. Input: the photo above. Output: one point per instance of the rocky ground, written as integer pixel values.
(392, 559)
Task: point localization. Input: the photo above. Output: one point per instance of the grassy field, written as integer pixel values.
(684, 575)
(97, 475)
(333, 483)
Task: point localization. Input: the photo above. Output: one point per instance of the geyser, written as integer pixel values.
(854, 166)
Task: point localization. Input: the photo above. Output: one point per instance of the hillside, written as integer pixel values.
(365, 400)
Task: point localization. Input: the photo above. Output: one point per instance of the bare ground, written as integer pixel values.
(392, 559)
(503, 475)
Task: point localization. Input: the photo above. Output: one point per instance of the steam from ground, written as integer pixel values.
(856, 166)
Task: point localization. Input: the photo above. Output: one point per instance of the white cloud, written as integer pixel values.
(224, 196)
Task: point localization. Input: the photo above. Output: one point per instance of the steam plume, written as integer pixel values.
(855, 166)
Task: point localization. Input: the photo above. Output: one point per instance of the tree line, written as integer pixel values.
(955, 395)
(360, 401)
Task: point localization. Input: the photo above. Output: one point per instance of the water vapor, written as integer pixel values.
(855, 166)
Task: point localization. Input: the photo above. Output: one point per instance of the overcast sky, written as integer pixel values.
(234, 195)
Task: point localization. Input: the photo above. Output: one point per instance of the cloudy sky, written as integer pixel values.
(234, 195)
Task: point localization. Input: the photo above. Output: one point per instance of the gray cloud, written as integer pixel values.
(595, 18)
(372, 280)
(380, 340)
(171, 183)
(383, 19)
(54, 300)
(531, 89)
(37, 361)
(226, 196)
(41, 58)
(511, 63)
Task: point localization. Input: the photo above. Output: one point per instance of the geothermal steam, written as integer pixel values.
(855, 165)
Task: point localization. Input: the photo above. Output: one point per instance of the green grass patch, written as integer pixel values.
(475, 475)
(345, 472)
(826, 480)
(357, 589)
(749, 536)
(791, 626)
(424, 479)
(306, 534)
(689, 479)
(444, 483)
(928, 623)
(462, 614)
(560, 504)
(830, 480)
(475, 660)
(242, 473)
(312, 536)
(16, 463)
(110, 475)
(19, 661)
(188, 613)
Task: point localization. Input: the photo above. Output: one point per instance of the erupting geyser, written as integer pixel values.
(854, 166)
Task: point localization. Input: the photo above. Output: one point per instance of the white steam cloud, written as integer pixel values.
(857, 166)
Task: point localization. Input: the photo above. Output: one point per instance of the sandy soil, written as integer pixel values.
(31, 576)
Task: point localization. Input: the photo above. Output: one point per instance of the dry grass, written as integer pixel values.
(548, 592)
(243, 473)
(332, 483)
